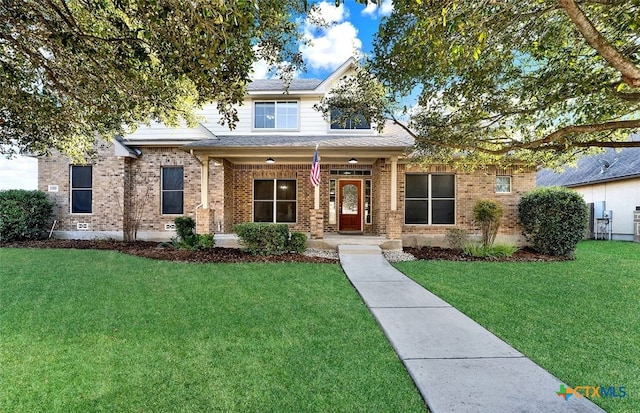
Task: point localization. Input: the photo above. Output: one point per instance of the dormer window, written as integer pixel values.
(275, 115)
(355, 122)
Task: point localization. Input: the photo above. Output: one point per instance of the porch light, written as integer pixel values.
(353, 160)
(270, 160)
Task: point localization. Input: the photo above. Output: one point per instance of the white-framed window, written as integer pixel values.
(172, 185)
(503, 184)
(430, 199)
(274, 200)
(355, 122)
(275, 115)
(81, 189)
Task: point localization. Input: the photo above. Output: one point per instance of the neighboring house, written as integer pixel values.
(610, 184)
(259, 172)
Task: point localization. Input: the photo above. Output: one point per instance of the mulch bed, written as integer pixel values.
(158, 251)
(436, 253)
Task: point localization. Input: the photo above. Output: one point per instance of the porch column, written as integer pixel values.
(205, 217)
(394, 183)
(204, 182)
(394, 217)
(316, 223)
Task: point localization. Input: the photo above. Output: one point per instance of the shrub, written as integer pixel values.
(297, 242)
(553, 220)
(186, 230)
(490, 251)
(263, 239)
(205, 241)
(456, 238)
(24, 215)
(487, 213)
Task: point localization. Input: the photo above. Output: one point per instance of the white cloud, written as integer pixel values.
(385, 8)
(18, 173)
(332, 44)
(260, 70)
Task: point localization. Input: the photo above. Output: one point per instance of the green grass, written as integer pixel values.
(578, 319)
(85, 331)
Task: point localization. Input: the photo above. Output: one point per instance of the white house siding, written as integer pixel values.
(621, 197)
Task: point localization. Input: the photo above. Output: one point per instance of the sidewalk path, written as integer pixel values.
(457, 365)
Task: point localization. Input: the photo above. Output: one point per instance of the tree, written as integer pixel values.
(71, 70)
(498, 81)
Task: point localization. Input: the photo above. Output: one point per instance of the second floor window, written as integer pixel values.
(354, 122)
(172, 190)
(276, 115)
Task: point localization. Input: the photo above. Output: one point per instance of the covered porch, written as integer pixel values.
(266, 179)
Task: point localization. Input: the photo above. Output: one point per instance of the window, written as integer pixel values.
(429, 199)
(503, 184)
(274, 200)
(172, 190)
(355, 122)
(81, 189)
(275, 115)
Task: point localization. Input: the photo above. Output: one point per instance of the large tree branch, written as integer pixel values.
(629, 71)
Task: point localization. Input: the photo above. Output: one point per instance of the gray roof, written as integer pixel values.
(336, 141)
(394, 137)
(608, 166)
(277, 85)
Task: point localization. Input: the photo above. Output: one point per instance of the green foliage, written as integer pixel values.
(456, 238)
(186, 230)
(263, 239)
(490, 251)
(187, 237)
(24, 215)
(526, 87)
(297, 242)
(487, 213)
(553, 220)
(75, 69)
(205, 241)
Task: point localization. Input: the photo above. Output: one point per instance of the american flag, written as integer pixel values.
(315, 170)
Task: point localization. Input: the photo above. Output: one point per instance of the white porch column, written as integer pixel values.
(204, 182)
(316, 197)
(394, 183)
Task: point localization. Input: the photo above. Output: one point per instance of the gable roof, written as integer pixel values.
(609, 166)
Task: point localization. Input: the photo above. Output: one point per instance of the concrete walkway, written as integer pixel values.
(457, 365)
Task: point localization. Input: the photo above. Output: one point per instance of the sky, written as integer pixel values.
(350, 31)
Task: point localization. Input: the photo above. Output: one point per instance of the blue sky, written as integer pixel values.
(351, 29)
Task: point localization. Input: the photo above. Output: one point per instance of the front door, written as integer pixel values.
(350, 207)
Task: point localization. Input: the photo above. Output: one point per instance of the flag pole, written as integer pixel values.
(316, 191)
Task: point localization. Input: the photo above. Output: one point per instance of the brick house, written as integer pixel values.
(260, 172)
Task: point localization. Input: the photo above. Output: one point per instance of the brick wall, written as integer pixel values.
(136, 183)
(471, 187)
(116, 181)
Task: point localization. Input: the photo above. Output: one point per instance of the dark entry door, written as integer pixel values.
(350, 205)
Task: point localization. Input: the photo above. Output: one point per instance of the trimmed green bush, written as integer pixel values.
(263, 239)
(487, 213)
(186, 230)
(24, 215)
(553, 220)
(187, 237)
(297, 242)
(456, 238)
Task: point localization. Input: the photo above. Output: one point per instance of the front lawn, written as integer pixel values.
(100, 331)
(578, 319)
